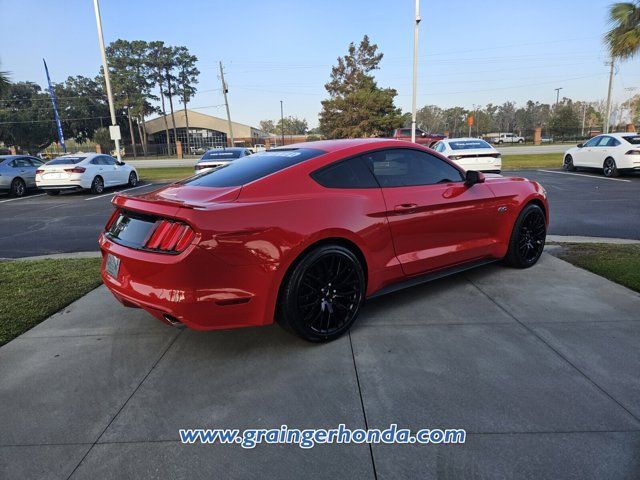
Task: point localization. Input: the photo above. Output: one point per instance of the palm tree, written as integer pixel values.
(4, 82)
(623, 39)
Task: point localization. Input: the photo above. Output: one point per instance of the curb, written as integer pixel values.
(56, 255)
(579, 239)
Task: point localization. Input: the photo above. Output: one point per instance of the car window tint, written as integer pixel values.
(468, 144)
(593, 142)
(351, 173)
(406, 167)
(65, 160)
(221, 155)
(632, 139)
(35, 162)
(250, 168)
(21, 163)
(107, 160)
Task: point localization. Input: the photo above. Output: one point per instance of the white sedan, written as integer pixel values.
(471, 154)
(84, 171)
(613, 153)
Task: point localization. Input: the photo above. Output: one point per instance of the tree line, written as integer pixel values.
(146, 77)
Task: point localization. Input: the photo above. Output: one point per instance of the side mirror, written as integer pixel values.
(580, 145)
(472, 177)
(120, 163)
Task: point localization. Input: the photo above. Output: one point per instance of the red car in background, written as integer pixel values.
(305, 233)
(422, 137)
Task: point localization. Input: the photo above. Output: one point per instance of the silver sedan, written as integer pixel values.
(18, 173)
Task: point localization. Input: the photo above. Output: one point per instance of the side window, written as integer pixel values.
(20, 163)
(406, 167)
(439, 147)
(593, 142)
(351, 173)
(107, 160)
(35, 162)
(97, 161)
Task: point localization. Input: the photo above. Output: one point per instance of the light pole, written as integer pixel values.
(415, 71)
(557, 96)
(282, 122)
(114, 130)
(607, 119)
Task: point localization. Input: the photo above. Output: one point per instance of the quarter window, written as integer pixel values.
(593, 142)
(407, 167)
(351, 173)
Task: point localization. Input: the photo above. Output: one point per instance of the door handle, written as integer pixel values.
(405, 208)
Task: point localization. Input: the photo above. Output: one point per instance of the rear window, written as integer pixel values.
(250, 168)
(221, 155)
(469, 144)
(633, 139)
(65, 160)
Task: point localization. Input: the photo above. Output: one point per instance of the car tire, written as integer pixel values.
(321, 296)
(18, 187)
(520, 141)
(133, 179)
(609, 168)
(97, 186)
(527, 238)
(53, 193)
(568, 164)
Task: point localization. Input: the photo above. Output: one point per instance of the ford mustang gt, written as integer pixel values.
(303, 234)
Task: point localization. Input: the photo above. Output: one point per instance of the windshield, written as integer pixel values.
(633, 139)
(252, 167)
(65, 160)
(468, 144)
(221, 155)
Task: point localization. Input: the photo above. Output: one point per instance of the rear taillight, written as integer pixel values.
(112, 219)
(170, 236)
(200, 167)
(75, 170)
(39, 171)
(633, 152)
(455, 157)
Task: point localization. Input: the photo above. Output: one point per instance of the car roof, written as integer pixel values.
(463, 139)
(620, 134)
(87, 156)
(336, 145)
(10, 157)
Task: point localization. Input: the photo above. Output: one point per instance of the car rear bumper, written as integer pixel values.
(193, 288)
(63, 184)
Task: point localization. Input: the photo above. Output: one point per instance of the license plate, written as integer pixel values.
(52, 176)
(113, 265)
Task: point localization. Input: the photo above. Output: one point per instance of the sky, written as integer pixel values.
(470, 52)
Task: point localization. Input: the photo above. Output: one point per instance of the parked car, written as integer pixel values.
(84, 171)
(306, 232)
(259, 147)
(218, 157)
(422, 137)
(505, 138)
(612, 154)
(18, 173)
(471, 154)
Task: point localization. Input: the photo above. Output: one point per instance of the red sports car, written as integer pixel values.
(305, 233)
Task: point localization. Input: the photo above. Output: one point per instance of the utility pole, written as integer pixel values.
(416, 29)
(608, 112)
(225, 89)
(584, 116)
(557, 96)
(282, 121)
(114, 130)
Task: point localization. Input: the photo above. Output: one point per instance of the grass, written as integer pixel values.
(538, 160)
(164, 174)
(618, 263)
(33, 290)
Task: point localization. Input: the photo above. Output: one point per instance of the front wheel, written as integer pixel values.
(133, 179)
(568, 164)
(321, 298)
(609, 168)
(97, 186)
(528, 237)
(520, 141)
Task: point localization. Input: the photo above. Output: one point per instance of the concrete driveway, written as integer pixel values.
(539, 366)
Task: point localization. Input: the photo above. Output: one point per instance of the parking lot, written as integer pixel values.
(540, 368)
(583, 204)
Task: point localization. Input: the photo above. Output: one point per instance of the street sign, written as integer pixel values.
(114, 132)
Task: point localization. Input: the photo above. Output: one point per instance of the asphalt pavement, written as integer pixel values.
(539, 366)
(583, 204)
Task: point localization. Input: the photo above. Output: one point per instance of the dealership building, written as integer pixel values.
(205, 131)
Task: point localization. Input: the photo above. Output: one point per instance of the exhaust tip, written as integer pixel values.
(173, 321)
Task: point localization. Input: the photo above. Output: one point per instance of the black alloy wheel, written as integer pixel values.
(528, 237)
(18, 187)
(97, 186)
(321, 298)
(133, 179)
(568, 164)
(609, 168)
